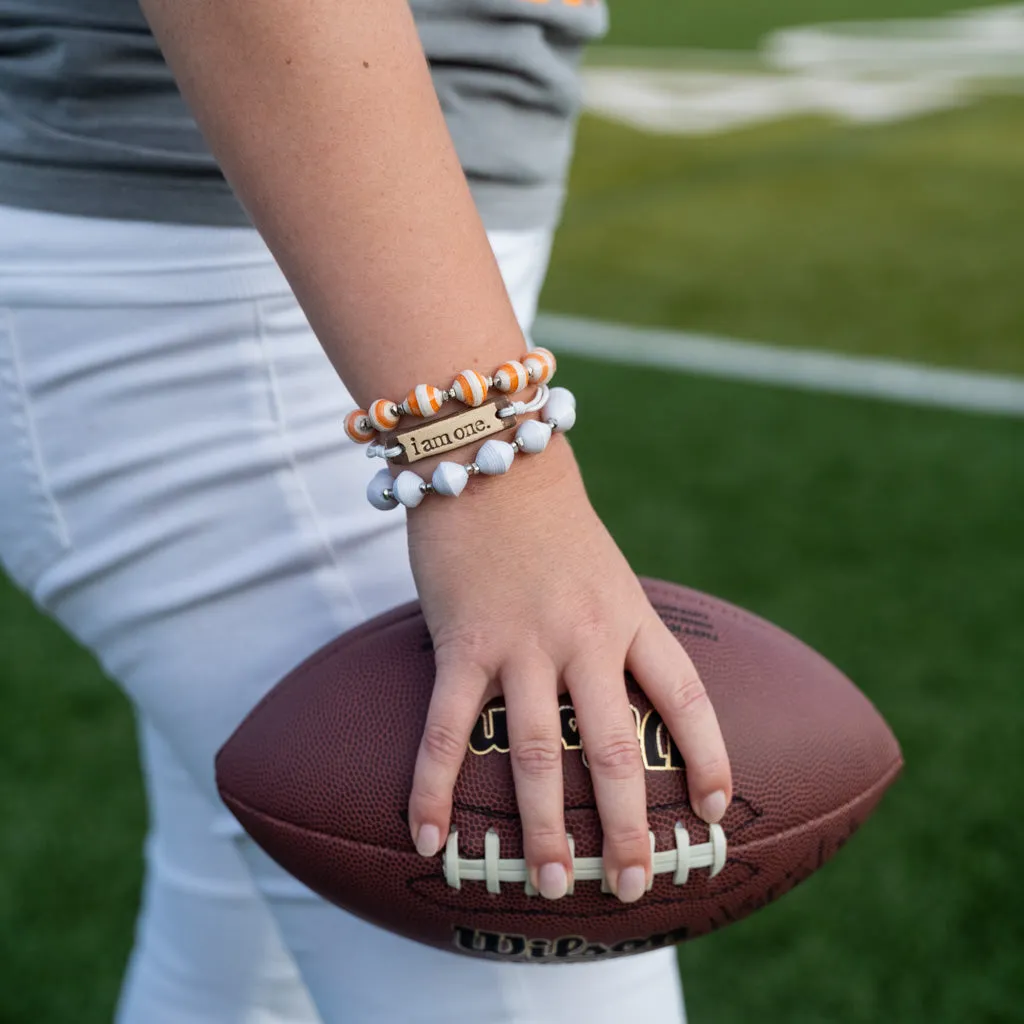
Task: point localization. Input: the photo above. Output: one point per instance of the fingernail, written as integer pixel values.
(632, 884)
(554, 882)
(428, 842)
(714, 807)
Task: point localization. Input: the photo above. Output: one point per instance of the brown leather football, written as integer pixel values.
(319, 775)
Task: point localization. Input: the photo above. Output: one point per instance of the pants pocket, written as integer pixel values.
(32, 531)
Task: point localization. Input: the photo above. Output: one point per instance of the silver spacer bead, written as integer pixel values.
(427, 488)
(388, 493)
(472, 469)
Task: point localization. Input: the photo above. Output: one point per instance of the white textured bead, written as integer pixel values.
(565, 392)
(495, 457)
(533, 436)
(375, 491)
(450, 479)
(560, 407)
(407, 488)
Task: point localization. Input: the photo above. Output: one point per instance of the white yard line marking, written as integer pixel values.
(805, 369)
(859, 72)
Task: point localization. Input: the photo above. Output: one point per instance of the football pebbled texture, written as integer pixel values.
(319, 775)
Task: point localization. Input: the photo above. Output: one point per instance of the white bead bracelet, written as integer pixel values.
(494, 458)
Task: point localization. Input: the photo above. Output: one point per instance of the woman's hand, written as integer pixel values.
(526, 594)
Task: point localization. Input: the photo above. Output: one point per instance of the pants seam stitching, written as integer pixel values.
(281, 421)
(32, 434)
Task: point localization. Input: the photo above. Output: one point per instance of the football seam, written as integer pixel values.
(882, 782)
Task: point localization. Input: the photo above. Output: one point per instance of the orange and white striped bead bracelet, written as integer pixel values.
(493, 458)
(469, 387)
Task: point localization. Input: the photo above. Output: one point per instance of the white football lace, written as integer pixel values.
(494, 869)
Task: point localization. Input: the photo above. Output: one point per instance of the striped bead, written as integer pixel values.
(423, 400)
(511, 377)
(470, 388)
(383, 415)
(540, 365)
(358, 426)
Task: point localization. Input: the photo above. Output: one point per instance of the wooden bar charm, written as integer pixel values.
(447, 433)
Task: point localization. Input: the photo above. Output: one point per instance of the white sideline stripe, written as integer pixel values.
(857, 72)
(804, 369)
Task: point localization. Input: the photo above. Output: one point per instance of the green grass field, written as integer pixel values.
(901, 240)
(890, 538)
(731, 25)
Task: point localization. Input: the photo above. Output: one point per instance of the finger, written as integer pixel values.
(535, 747)
(608, 730)
(667, 675)
(454, 706)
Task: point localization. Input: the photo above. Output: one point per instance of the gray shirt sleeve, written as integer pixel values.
(91, 121)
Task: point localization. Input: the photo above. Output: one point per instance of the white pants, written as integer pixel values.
(177, 491)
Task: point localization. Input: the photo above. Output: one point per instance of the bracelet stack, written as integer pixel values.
(494, 457)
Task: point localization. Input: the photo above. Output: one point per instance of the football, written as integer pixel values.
(319, 775)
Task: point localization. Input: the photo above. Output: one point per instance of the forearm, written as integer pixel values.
(324, 119)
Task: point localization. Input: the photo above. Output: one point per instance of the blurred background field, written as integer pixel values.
(891, 538)
(728, 24)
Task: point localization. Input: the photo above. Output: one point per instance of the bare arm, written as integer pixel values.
(323, 117)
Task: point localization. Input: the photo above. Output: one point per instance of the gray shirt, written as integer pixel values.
(91, 122)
